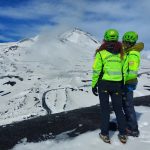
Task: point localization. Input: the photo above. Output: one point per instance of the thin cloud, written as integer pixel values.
(2, 26)
(94, 16)
(6, 38)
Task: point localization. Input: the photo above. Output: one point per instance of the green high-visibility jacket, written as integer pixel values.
(132, 62)
(107, 66)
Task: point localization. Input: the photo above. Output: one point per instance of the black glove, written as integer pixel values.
(95, 91)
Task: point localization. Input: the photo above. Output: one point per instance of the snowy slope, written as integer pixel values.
(30, 67)
(91, 140)
(56, 70)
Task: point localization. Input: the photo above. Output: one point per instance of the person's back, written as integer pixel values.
(108, 61)
(107, 76)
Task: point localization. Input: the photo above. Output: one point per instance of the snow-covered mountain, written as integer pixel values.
(45, 74)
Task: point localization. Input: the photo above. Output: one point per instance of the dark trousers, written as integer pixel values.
(129, 111)
(112, 89)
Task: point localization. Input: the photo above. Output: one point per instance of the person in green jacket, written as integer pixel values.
(107, 81)
(130, 68)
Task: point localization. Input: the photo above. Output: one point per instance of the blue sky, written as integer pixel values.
(26, 18)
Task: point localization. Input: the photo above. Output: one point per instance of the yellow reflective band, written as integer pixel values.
(133, 72)
(117, 93)
(105, 91)
(114, 73)
(131, 63)
(96, 72)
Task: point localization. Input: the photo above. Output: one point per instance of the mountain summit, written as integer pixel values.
(78, 36)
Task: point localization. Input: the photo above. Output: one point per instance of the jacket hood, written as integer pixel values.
(137, 47)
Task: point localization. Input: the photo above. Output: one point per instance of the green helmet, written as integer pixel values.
(130, 36)
(111, 35)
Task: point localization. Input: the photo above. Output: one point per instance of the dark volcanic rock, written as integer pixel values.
(46, 127)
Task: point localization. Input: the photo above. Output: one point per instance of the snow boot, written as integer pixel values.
(122, 138)
(133, 133)
(105, 138)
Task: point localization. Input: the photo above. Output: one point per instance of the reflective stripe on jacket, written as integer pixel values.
(108, 64)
